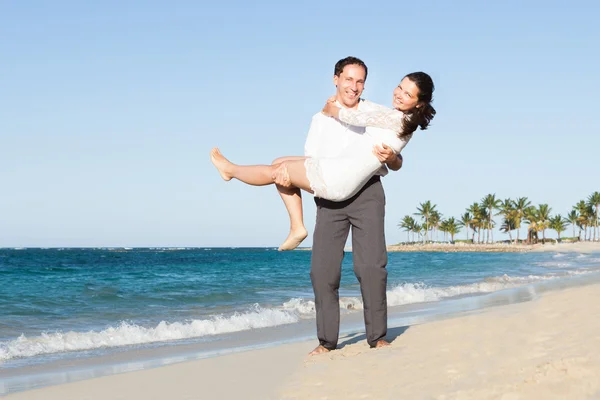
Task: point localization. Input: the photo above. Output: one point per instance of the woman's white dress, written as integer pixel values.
(341, 177)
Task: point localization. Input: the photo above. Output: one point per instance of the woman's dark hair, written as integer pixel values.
(420, 116)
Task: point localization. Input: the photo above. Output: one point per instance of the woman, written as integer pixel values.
(341, 177)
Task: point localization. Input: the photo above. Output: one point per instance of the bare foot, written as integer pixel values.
(294, 239)
(221, 163)
(318, 350)
(381, 343)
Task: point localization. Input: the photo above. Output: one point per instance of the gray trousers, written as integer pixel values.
(364, 214)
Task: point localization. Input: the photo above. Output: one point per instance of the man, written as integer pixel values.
(363, 213)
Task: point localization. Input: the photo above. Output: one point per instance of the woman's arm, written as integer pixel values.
(389, 119)
(383, 117)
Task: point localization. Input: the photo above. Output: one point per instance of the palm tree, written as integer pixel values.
(573, 217)
(425, 210)
(475, 210)
(507, 226)
(508, 212)
(543, 219)
(434, 222)
(559, 224)
(520, 205)
(418, 229)
(483, 223)
(585, 217)
(465, 220)
(490, 202)
(444, 229)
(590, 214)
(408, 224)
(452, 227)
(594, 201)
(532, 218)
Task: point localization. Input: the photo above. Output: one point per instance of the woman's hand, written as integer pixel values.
(384, 153)
(331, 109)
(387, 156)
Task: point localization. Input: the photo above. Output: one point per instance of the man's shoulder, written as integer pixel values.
(322, 119)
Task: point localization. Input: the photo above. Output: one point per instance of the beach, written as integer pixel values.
(471, 325)
(566, 247)
(546, 348)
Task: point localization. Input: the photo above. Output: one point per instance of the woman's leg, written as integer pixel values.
(292, 199)
(260, 175)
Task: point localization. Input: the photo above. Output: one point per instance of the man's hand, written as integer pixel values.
(281, 176)
(386, 155)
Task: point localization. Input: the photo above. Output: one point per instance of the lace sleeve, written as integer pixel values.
(386, 119)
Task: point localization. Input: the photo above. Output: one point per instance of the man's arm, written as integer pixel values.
(386, 155)
(396, 163)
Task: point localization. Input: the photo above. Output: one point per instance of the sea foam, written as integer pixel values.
(132, 334)
(289, 312)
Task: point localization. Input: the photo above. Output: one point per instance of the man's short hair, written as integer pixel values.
(340, 65)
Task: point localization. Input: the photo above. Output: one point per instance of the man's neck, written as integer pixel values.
(354, 107)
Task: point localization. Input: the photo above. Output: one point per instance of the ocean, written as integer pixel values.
(64, 310)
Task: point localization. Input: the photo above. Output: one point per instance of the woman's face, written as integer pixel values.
(406, 95)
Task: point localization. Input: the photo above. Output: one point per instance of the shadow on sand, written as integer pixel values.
(352, 338)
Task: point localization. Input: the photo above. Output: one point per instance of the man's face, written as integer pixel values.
(350, 84)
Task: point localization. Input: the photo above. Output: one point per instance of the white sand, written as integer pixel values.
(545, 349)
(577, 247)
(248, 375)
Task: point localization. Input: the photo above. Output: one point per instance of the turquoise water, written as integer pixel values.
(69, 302)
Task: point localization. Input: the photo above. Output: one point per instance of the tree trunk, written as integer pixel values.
(543, 236)
(596, 222)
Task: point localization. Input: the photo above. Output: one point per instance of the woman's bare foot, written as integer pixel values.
(294, 239)
(381, 343)
(318, 350)
(221, 163)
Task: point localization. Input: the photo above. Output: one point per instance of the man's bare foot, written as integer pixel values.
(318, 350)
(381, 343)
(221, 163)
(294, 239)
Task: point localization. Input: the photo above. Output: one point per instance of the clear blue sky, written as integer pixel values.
(108, 110)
